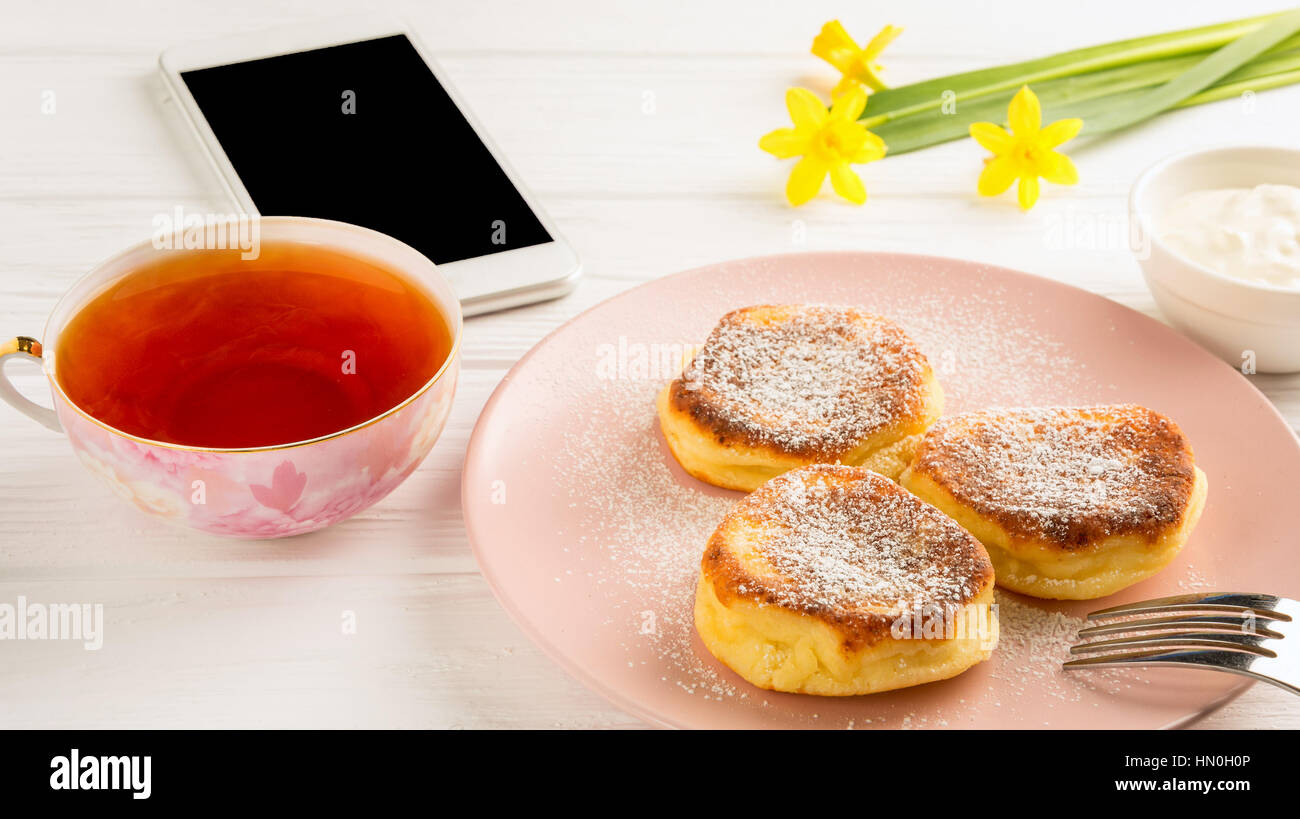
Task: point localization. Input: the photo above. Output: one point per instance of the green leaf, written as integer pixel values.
(893, 103)
(1088, 96)
(1197, 79)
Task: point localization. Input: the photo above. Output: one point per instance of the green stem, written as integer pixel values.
(893, 103)
(1205, 74)
(1236, 89)
(1088, 96)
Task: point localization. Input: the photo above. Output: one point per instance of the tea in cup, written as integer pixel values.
(253, 395)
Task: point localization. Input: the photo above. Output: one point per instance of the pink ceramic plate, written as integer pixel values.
(591, 535)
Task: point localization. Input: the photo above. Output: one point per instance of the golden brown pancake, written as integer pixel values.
(776, 387)
(1072, 503)
(834, 580)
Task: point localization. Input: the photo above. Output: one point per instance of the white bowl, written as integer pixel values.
(1246, 323)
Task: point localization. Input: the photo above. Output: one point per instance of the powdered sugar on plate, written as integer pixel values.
(581, 437)
(650, 522)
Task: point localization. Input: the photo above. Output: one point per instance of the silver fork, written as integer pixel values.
(1242, 634)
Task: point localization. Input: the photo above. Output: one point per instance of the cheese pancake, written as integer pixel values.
(776, 387)
(834, 580)
(1072, 503)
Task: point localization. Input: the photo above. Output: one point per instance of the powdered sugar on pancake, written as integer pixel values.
(808, 379)
(846, 540)
(1068, 475)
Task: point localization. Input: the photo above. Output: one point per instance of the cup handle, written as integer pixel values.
(29, 349)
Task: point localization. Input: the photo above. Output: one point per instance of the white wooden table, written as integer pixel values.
(636, 125)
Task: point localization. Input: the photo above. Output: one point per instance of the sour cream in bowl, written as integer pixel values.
(1216, 235)
(1243, 233)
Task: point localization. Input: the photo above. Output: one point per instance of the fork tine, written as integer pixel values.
(1262, 604)
(1239, 625)
(1235, 661)
(1230, 642)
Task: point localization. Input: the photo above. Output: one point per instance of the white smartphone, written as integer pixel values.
(351, 119)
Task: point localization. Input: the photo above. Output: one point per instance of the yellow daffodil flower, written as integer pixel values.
(1027, 152)
(857, 65)
(828, 141)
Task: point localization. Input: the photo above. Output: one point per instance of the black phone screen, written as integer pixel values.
(364, 133)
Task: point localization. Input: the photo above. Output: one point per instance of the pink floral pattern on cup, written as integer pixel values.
(265, 493)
